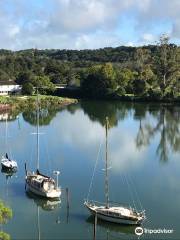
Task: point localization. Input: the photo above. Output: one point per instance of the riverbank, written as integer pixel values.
(29, 102)
(78, 93)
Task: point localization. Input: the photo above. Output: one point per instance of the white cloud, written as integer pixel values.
(83, 23)
(148, 37)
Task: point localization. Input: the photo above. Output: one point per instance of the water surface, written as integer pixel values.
(144, 153)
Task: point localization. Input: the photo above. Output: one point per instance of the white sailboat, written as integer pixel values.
(7, 163)
(111, 212)
(37, 182)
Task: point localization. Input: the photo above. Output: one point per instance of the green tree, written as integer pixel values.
(145, 75)
(43, 83)
(24, 77)
(27, 88)
(5, 215)
(4, 236)
(124, 79)
(100, 80)
(167, 62)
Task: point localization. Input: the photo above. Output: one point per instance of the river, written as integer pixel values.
(144, 155)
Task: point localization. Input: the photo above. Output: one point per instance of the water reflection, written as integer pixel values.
(138, 131)
(166, 124)
(45, 204)
(99, 110)
(9, 173)
(111, 229)
(8, 115)
(154, 120)
(45, 116)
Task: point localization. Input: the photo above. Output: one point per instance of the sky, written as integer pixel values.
(87, 24)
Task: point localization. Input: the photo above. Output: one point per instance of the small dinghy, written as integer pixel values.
(8, 164)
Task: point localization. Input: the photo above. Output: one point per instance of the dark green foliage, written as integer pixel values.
(27, 88)
(147, 71)
(100, 80)
(24, 77)
(5, 215)
(139, 87)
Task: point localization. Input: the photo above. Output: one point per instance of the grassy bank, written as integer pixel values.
(29, 102)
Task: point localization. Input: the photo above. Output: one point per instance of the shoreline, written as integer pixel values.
(10, 103)
(79, 94)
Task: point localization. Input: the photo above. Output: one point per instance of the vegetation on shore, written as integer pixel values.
(145, 72)
(20, 103)
(5, 215)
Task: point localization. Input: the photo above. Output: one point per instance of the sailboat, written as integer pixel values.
(7, 163)
(38, 183)
(111, 212)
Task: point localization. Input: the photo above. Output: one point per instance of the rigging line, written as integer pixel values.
(46, 144)
(49, 164)
(8, 144)
(147, 220)
(135, 192)
(134, 205)
(90, 186)
(32, 154)
(123, 181)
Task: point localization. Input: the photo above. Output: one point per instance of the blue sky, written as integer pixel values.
(82, 24)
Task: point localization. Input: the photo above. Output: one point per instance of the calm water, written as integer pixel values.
(144, 149)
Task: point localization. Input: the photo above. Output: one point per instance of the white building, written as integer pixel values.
(9, 88)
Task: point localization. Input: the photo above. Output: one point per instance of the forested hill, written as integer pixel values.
(127, 70)
(117, 55)
(60, 65)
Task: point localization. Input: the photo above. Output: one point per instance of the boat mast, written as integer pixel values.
(6, 135)
(106, 177)
(37, 130)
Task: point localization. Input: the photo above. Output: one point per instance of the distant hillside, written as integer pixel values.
(153, 66)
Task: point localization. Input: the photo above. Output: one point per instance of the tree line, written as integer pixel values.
(149, 71)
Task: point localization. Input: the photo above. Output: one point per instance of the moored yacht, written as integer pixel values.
(37, 182)
(111, 212)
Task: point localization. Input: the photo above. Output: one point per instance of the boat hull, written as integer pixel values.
(8, 168)
(51, 195)
(113, 219)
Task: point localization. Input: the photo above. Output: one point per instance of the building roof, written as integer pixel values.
(8, 83)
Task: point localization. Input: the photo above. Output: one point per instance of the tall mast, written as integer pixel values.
(106, 177)
(6, 135)
(37, 130)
